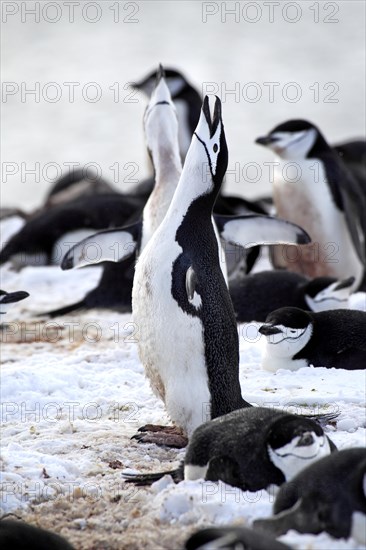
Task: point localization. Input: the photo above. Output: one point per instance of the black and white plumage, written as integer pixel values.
(329, 495)
(251, 448)
(17, 535)
(332, 339)
(187, 101)
(123, 244)
(322, 196)
(47, 235)
(233, 538)
(7, 299)
(258, 294)
(188, 341)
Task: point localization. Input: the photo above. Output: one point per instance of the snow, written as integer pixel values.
(74, 392)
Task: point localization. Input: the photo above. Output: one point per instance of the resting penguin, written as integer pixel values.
(329, 495)
(297, 338)
(251, 448)
(256, 296)
(232, 538)
(313, 188)
(43, 238)
(9, 298)
(17, 535)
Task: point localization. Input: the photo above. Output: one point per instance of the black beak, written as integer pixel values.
(346, 283)
(268, 330)
(305, 440)
(160, 73)
(266, 140)
(13, 297)
(212, 124)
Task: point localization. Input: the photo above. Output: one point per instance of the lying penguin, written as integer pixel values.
(7, 299)
(251, 448)
(329, 495)
(257, 295)
(297, 338)
(233, 538)
(17, 535)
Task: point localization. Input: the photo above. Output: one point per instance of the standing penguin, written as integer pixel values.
(313, 188)
(188, 340)
(332, 339)
(329, 495)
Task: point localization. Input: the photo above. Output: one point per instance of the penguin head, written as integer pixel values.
(175, 81)
(287, 330)
(208, 154)
(325, 293)
(294, 140)
(294, 442)
(160, 119)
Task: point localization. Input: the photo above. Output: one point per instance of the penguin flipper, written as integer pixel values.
(13, 297)
(191, 282)
(148, 479)
(226, 469)
(112, 245)
(253, 230)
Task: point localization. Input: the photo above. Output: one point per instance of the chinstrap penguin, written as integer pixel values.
(188, 340)
(329, 495)
(298, 338)
(252, 448)
(314, 188)
(258, 294)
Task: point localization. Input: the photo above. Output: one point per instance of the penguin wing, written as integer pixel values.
(112, 245)
(226, 469)
(253, 230)
(350, 197)
(191, 282)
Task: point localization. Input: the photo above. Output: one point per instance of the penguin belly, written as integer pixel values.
(171, 342)
(308, 202)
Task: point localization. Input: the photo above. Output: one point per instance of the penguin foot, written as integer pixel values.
(169, 436)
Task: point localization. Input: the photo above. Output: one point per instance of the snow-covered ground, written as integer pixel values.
(74, 392)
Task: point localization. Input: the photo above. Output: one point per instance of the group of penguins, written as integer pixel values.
(169, 251)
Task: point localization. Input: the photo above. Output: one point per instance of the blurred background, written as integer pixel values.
(66, 68)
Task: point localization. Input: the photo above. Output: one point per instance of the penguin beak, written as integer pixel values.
(266, 140)
(346, 283)
(13, 297)
(305, 440)
(269, 330)
(215, 120)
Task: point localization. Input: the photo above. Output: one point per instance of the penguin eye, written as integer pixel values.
(215, 148)
(293, 331)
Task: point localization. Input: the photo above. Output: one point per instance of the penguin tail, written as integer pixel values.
(148, 479)
(64, 310)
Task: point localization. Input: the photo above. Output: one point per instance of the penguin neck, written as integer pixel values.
(168, 168)
(195, 186)
(320, 147)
